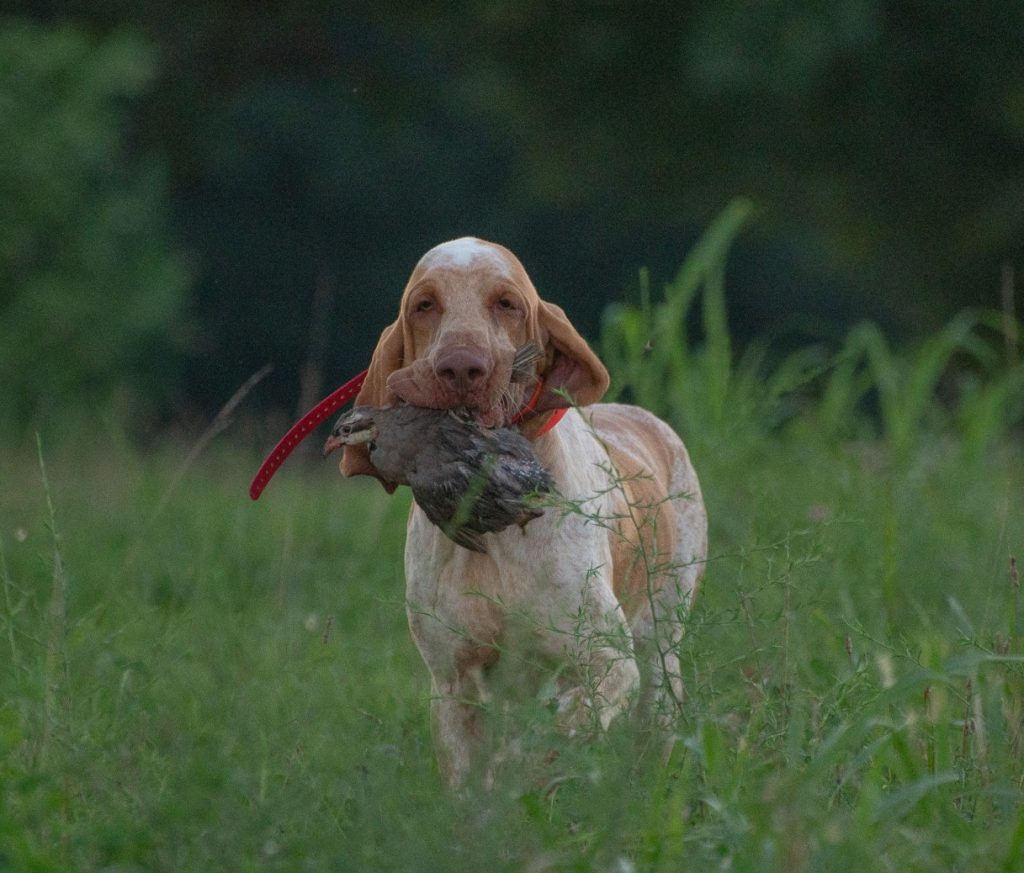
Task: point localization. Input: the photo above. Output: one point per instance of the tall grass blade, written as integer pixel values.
(55, 669)
(9, 608)
(1011, 328)
(846, 387)
(647, 347)
(221, 422)
(718, 345)
(1015, 612)
(985, 413)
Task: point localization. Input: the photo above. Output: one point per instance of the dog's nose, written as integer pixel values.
(461, 369)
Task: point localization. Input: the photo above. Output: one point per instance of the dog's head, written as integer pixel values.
(467, 307)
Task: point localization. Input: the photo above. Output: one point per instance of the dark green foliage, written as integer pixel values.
(90, 299)
(313, 145)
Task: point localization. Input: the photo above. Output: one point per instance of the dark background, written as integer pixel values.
(280, 167)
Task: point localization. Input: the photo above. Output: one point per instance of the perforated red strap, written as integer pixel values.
(302, 429)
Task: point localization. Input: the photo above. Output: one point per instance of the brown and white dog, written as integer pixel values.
(602, 590)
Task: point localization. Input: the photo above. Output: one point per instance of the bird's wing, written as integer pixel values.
(468, 539)
(443, 500)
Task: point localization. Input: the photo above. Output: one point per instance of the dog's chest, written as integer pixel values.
(463, 604)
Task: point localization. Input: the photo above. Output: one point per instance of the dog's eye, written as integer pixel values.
(506, 304)
(425, 305)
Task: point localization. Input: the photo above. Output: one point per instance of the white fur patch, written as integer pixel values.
(464, 254)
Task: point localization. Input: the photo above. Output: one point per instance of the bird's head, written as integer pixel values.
(353, 428)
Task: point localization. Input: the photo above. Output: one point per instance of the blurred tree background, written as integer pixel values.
(191, 190)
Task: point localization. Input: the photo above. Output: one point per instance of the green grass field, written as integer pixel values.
(192, 681)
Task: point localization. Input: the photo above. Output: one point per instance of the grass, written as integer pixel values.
(199, 682)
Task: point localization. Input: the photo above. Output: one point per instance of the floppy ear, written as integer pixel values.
(572, 366)
(387, 358)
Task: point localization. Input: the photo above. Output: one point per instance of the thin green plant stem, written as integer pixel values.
(890, 551)
(1014, 607)
(55, 670)
(1010, 330)
(8, 603)
(221, 422)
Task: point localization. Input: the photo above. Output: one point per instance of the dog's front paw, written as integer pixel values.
(575, 713)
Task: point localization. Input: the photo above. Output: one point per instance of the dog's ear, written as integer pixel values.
(387, 358)
(572, 367)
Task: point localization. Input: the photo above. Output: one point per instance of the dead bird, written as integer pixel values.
(469, 480)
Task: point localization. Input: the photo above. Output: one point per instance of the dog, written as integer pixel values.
(601, 587)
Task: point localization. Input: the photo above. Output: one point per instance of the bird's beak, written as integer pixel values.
(333, 442)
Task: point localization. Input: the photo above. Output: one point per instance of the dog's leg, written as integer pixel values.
(605, 673)
(657, 633)
(611, 679)
(664, 696)
(457, 718)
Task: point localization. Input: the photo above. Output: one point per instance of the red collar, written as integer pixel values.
(527, 410)
(553, 419)
(332, 403)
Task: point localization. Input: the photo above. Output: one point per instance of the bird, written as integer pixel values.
(469, 480)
